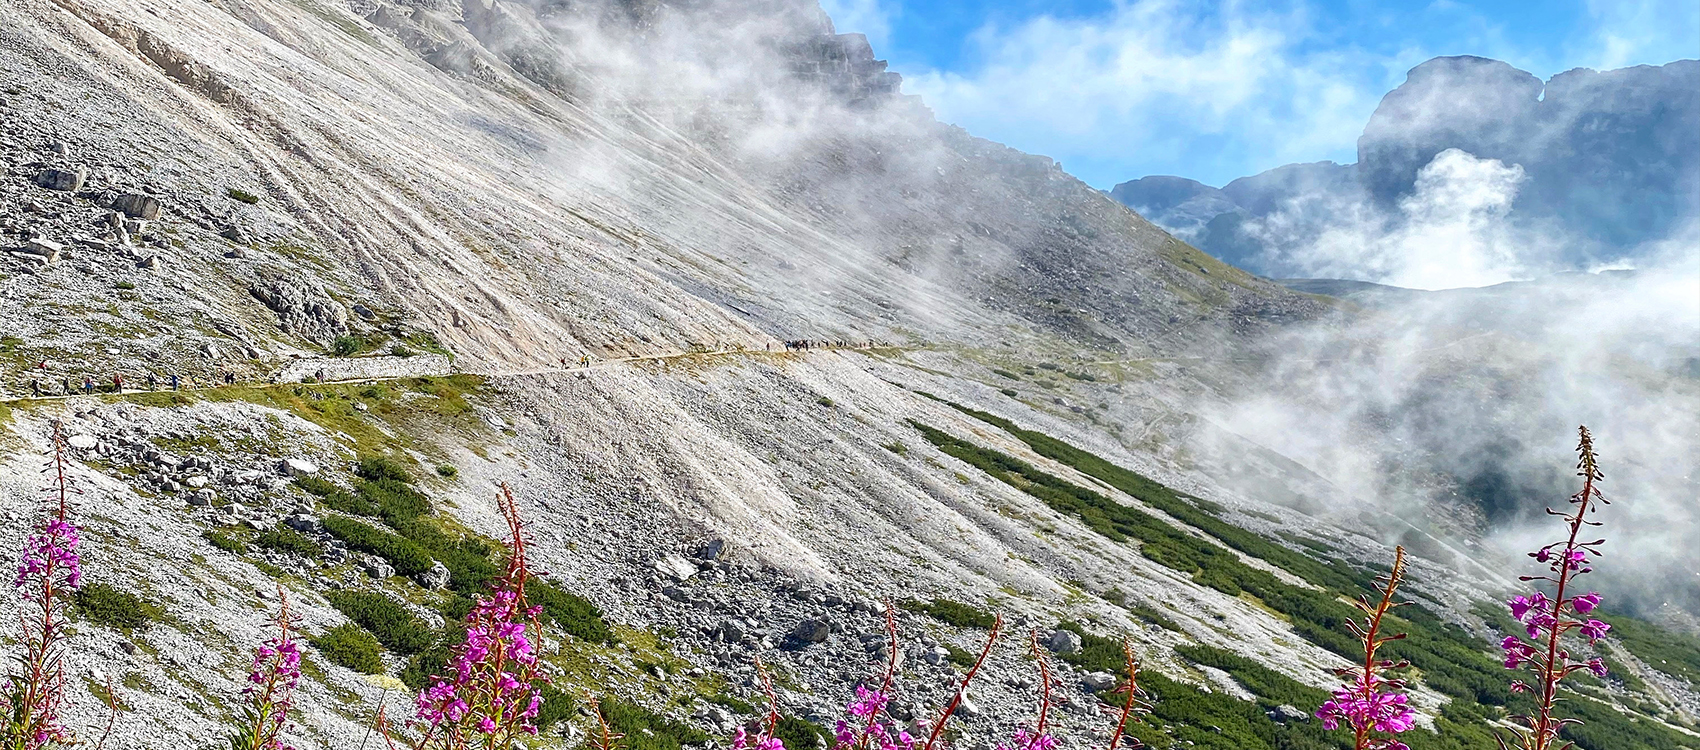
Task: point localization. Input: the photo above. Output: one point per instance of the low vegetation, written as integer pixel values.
(108, 606)
(350, 646)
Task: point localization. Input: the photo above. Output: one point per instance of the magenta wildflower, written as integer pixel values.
(491, 695)
(48, 572)
(1548, 619)
(1025, 740)
(270, 694)
(1370, 704)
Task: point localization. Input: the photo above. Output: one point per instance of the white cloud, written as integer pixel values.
(1627, 32)
(1449, 232)
(1158, 74)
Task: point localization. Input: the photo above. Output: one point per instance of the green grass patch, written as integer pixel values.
(570, 612)
(647, 730)
(243, 196)
(111, 607)
(952, 612)
(223, 541)
(391, 623)
(285, 539)
(407, 558)
(351, 646)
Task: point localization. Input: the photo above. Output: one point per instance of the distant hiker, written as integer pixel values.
(117, 383)
(153, 381)
(67, 383)
(229, 378)
(35, 386)
(88, 384)
(176, 382)
(320, 375)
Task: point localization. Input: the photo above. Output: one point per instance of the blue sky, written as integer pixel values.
(1119, 89)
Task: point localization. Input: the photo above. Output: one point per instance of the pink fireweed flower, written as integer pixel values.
(1025, 740)
(270, 693)
(1547, 619)
(48, 572)
(491, 693)
(1370, 705)
(1364, 706)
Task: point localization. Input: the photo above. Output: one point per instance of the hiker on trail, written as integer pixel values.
(230, 378)
(67, 383)
(153, 381)
(176, 382)
(117, 383)
(88, 385)
(320, 375)
(35, 386)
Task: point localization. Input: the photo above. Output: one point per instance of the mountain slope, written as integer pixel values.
(520, 184)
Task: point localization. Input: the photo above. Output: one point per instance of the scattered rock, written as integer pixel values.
(299, 467)
(436, 579)
(81, 442)
(729, 631)
(63, 180)
(675, 567)
(811, 631)
(302, 522)
(1063, 642)
(712, 550)
(152, 263)
(1097, 682)
(137, 206)
(45, 248)
(377, 567)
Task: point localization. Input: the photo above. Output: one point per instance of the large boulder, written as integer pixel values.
(137, 206)
(811, 631)
(1063, 641)
(63, 180)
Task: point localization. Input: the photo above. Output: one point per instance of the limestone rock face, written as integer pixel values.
(303, 308)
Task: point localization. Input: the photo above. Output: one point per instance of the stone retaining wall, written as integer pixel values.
(363, 368)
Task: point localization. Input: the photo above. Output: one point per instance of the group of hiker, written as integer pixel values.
(89, 386)
(795, 345)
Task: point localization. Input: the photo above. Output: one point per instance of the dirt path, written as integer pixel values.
(597, 365)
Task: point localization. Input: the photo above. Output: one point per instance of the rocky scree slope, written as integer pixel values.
(484, 179)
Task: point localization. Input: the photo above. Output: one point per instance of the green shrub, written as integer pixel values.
(351, 647)
(317, 486)
(378, 468)
(824, 401)
(401, 351)
(897, 447)
(446, 471)
(223, 542)
(111, 607)
(397, 503)
(394, 626)
(1010, 392)
(407, 558)
(801, 733)
(1005, 374)
(558, 706)
(570, 612)
(954, 613)
(242, 195)
(125, 285)
(646, 730)
(350, 504)
(958, 656)
(285, 539)
(347, 346)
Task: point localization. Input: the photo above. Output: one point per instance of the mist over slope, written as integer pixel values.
(542, 189)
